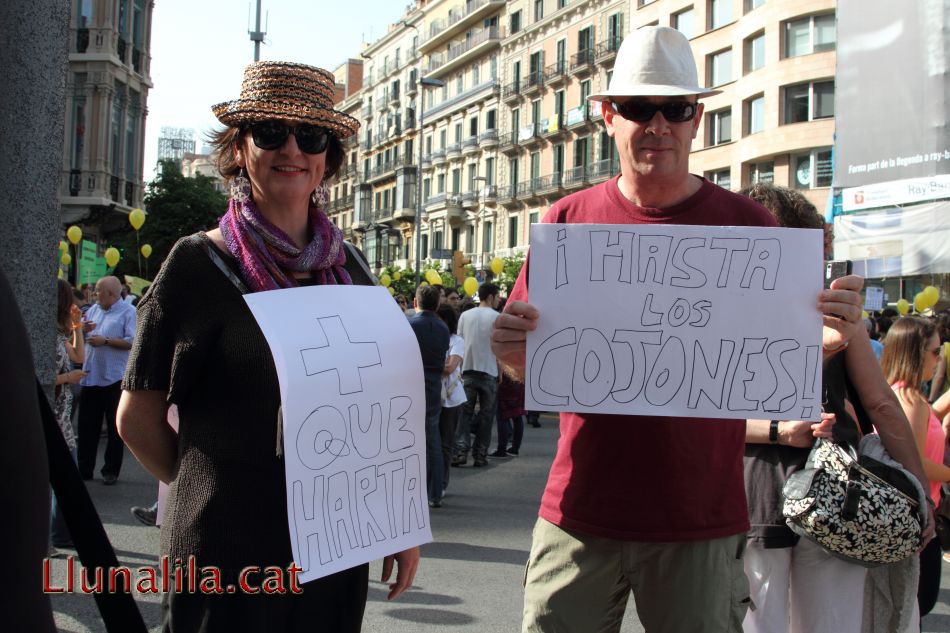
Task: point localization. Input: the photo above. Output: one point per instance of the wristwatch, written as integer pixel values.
(106, 342)
(773, 432)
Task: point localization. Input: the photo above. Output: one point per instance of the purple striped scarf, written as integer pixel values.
(268, 257)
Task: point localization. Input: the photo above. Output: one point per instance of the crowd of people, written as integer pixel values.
(681, 512)
(95, 330)
(467, 393)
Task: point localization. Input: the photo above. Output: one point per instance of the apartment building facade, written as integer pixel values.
(553, 140)
(107, 93)
(387, 165)
(774, 61)
(342, 203)
(508, 131)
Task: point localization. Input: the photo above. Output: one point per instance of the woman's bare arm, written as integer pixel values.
(882, 405)
(143, 425)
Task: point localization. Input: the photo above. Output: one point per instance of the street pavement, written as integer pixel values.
(469, 579)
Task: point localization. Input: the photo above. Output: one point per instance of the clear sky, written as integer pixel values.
(200, 49)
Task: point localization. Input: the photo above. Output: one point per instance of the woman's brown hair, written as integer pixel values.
(904, 349)
(225, 140)
(790, 207)
(64, 305)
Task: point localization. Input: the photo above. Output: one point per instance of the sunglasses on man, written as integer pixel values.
(642, 111)
(269, 135)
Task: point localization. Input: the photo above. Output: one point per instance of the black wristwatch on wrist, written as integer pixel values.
(773, 432)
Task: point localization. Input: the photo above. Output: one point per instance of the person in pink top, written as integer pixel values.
(909, 360)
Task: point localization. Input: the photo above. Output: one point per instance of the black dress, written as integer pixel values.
(227, 506)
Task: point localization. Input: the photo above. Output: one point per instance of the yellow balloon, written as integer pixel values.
(63, 246)
(470, 286)
(112, 256)
(136, 218)
(65, 260)
(920, 302)
(931, 296)
(423, 283)
(864, 314)
(384, 280)
(391, 290)
(903, 306)
(497, 266)
(146, 250)
(74, 234)
(397, 276)
(60, 275)
(433, 277)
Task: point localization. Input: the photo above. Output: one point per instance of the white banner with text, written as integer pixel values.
(353, 406)
(664, 320)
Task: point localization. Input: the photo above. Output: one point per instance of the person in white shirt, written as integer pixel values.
(453, 391)
(479, 376)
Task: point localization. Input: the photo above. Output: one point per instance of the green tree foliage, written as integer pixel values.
(406, 284)
(176, 206)
(509, 274)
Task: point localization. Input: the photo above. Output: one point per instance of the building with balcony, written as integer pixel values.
(460, 46)
(512, 117)
(341, 206)
(555, 54)
(387, 171)
(775, 63)
(107, 92)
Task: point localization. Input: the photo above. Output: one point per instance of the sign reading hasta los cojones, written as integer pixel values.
(667, 320)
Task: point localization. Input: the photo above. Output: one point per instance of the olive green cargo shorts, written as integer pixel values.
(576, 583)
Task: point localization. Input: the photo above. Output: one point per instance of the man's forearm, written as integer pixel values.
(118, 343)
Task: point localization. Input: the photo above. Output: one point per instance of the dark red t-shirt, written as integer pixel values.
(645, 478)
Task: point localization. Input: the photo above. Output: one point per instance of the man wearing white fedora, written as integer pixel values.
(649, 505)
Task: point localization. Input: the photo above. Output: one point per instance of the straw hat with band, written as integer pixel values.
(290, 92)
(654, 61)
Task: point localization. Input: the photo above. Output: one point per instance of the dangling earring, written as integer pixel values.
(241, 187)
(320, 196)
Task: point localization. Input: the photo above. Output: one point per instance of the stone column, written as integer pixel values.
(32, 114)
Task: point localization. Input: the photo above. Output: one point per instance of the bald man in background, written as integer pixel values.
(110, 329)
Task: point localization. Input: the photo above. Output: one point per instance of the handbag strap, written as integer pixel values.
(119, 611)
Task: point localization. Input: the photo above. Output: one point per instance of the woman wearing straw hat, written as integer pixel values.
(199, 347)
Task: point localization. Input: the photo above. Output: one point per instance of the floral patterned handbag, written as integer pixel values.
(856, 507)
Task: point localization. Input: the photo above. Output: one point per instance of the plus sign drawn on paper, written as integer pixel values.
(338, 353)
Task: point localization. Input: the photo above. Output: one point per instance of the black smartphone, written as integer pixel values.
(836, 269)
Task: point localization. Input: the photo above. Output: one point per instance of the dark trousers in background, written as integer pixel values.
(512, 428)
(448, 421)
(928, 588)
(434, 465)
(96, 403)
(481, 390)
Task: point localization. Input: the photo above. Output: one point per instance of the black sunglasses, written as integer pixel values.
(643, 111)
(311, 139)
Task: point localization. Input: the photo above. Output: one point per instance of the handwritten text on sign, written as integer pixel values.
(353, 405)
(693, 321)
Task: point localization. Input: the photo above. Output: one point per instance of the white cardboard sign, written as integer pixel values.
(664, 320)
(353, 402)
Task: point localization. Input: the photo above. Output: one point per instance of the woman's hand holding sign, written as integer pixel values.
(840, 307)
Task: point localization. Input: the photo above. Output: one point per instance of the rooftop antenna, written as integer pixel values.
(257, 35)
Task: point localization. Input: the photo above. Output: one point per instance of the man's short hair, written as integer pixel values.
(427, 297)
(487, 290)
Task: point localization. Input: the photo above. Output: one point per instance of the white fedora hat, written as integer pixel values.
(654, 61)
